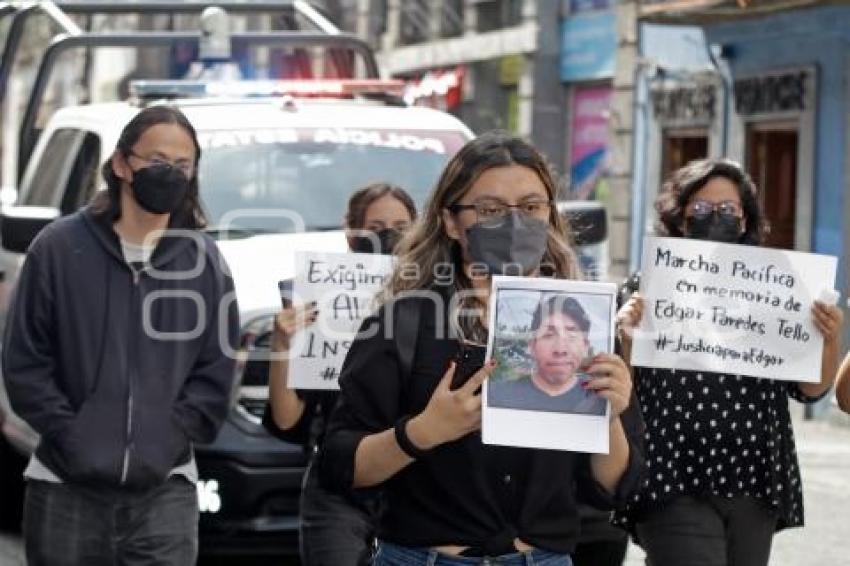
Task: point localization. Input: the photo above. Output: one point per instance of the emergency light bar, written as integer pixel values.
(344, 88)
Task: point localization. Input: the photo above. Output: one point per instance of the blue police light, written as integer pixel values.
(151, 89)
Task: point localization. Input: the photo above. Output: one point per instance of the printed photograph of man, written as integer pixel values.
(558, 347)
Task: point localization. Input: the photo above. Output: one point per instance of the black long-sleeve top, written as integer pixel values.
(309, 430)
(463, 492)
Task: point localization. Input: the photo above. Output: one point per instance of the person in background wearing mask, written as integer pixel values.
(118, 406)
(334, 530)
(381, 211)
(450, 499)
(723, 472)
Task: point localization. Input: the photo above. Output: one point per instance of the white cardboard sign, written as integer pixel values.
(541, 333)
(730, 308)
(344, 287)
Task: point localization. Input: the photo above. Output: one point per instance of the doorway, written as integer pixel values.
(772, 150)
(681, 146)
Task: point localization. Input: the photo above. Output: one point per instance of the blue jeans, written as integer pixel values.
(395, 555)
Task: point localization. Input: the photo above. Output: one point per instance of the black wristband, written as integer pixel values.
(404, 441)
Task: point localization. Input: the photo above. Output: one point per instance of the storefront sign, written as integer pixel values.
(588, 46)
(685, 104)
(510, 69)
(768, 94)
(577, 6)
(442, 90)
(589, 141)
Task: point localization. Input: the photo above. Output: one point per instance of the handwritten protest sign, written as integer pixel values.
(344, 287)
(731, 309)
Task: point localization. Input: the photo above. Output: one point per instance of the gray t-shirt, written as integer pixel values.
(524, 395)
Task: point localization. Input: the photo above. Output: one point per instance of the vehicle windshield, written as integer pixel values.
(285, 180)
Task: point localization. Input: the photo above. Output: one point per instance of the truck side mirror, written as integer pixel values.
(19, 225)
(588, 221)
(588, 225)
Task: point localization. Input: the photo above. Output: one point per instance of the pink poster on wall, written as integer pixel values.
(591, 108)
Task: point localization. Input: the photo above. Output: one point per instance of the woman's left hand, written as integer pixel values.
(828, 319)
(611, 380)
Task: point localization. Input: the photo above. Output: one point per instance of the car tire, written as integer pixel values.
(11, 487)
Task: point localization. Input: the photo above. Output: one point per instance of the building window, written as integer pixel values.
(498, 14)
(451, 18)
(415, 21)
(377, 17)
(343, 13)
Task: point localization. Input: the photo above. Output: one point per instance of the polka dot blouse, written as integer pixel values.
(713, 434)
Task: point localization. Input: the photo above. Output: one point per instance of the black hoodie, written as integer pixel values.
(120, 371)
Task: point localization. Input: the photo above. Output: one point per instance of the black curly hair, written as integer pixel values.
(684, 182)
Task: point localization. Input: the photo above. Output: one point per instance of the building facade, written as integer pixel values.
(544, 69)
(760, 83)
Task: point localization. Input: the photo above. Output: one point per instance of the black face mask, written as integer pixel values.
(387, 239)
(160, 189)
(714, 227)
(516, 241)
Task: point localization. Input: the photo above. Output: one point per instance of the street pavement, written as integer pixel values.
(824, 451)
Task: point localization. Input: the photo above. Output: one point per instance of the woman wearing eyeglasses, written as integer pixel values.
(449, 499)
(723, 473)
(333, 530)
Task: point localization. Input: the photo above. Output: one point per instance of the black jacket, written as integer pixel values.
(462, 492)
(117, 376)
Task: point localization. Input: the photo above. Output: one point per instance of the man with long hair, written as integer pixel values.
(109, 362)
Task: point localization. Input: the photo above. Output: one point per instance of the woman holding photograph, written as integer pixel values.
(449, 499)
(334, 530)
(723, 473)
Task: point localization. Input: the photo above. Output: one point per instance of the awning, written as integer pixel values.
(700, 12)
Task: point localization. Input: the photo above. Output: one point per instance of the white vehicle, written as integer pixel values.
(588, 222)
(275, 175)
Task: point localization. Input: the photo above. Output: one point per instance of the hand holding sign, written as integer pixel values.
(289, 321)
(612, 380)
(628, 318)
(828, 319)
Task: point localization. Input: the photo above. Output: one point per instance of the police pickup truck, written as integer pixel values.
(279, 162)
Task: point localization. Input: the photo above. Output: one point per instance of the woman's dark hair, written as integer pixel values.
(429, 247)
(681, 186)
(362, 199)
(108, 203)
